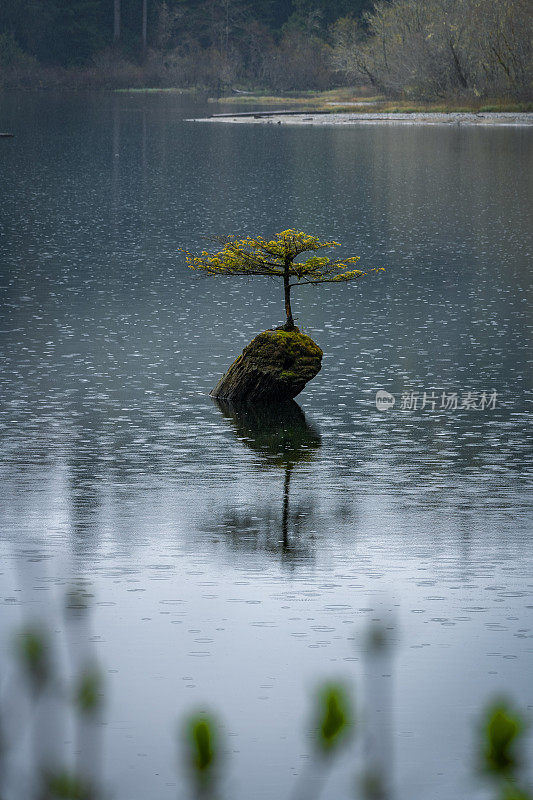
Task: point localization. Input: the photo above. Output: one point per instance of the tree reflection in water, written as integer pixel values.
(282, 438)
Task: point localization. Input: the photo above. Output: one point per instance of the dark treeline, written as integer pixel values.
(71, 32)
(418, 48)
(282, 44)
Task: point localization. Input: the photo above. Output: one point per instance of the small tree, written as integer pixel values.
(276, 258)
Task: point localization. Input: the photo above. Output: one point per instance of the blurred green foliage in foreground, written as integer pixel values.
(500, 740)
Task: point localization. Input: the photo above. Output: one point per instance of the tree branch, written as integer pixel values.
(329, 280)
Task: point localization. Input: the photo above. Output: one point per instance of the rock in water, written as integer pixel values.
(274, 367)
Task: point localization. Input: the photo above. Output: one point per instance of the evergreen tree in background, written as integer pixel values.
(412, 48)
(68, 32)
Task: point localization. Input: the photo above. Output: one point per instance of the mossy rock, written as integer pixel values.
(274, 367)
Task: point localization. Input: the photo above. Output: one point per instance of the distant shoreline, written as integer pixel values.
(514, 119)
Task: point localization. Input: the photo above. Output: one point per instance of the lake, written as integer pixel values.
(235, 562)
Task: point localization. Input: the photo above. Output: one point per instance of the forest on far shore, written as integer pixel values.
(420, 49)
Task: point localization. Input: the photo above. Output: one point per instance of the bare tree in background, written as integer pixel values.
(440, 48)
(144, 27)
(116, 20)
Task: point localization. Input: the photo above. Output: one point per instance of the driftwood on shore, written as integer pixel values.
(258, 114)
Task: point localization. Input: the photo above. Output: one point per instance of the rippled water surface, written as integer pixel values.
(235, 560)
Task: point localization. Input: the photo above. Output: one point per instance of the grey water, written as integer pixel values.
(234, 561)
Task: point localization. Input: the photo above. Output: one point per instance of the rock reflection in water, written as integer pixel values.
(282, 438)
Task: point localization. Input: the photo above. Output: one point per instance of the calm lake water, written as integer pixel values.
(235, 562)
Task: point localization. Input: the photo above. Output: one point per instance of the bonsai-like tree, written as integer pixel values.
(276, 258)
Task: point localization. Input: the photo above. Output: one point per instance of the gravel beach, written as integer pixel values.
(354, 118)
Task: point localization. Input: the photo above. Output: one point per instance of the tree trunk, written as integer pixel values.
(289, 324)
(458, 68)
(144, 28)
(116, 20)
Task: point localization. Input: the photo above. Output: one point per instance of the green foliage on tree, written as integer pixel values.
(277, 258)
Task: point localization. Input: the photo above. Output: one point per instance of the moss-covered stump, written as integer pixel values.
(274, 367)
